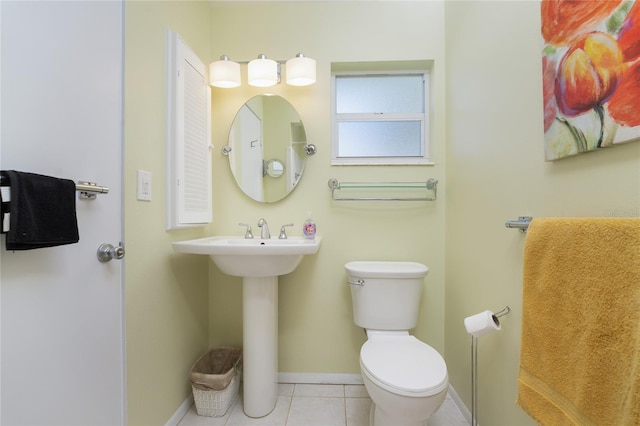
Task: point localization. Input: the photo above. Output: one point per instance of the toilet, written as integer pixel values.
(406, 379)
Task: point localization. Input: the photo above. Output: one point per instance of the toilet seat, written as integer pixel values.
(404, 365)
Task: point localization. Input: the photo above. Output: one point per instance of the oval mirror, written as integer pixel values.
(267, 126)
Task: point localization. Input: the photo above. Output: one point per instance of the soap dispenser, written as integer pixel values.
(309, 228)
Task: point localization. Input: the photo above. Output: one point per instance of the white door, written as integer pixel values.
(62, 325)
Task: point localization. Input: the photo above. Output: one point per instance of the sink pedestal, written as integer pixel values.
(259, 262)
(260, 344)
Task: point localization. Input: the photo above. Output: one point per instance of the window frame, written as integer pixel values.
(424, 118)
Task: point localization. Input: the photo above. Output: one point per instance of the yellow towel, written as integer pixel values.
(580, 347)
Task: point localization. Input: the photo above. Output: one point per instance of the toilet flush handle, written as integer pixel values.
(359, 282)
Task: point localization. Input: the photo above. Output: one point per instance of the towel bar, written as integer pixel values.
(522, 223)
(90, 190)
(87, 190)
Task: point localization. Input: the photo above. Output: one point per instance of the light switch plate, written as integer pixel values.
(144, 185)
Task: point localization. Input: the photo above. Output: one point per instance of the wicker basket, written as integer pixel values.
(215, 403)
(215, 381)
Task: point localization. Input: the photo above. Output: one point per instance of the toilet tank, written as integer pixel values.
(386, 295)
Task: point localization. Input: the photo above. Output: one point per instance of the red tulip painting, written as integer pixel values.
(590, 74)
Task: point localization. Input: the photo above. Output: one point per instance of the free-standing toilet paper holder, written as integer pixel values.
(474, 366)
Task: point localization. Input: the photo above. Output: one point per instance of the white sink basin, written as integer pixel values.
(241, 257)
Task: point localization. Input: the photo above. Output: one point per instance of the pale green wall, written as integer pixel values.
(317, 333)
(166, 293)
(496, 172)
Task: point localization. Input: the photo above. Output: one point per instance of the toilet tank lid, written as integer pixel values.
(386, 269)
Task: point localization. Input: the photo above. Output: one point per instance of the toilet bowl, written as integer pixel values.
(406, 378)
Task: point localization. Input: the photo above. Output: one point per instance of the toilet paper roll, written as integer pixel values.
(483, 323)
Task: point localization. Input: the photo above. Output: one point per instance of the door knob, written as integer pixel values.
(106, 252)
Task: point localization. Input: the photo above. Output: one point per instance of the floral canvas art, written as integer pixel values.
(591, 75)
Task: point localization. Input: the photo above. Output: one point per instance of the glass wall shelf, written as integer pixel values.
(383, 191)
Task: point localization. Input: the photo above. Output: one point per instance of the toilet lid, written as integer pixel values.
(404, 363)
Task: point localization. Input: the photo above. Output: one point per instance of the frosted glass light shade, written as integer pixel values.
(301, 71)
(263, 72)
(224, 73)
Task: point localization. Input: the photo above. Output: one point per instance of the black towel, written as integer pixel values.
(43, 211)
(5, 196)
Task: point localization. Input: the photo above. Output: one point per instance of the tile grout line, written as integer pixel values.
(344, 399)
(293, 392)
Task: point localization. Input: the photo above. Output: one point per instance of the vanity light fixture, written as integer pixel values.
(301, 71)
(224, 73)
(263, 72)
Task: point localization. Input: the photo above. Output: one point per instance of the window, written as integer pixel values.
(380, 118)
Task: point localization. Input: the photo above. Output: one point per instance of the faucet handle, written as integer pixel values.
(249, 234)
(283, 233)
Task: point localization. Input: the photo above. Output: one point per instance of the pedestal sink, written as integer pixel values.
(259, 263)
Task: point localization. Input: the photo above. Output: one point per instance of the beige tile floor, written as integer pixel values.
(317, 405)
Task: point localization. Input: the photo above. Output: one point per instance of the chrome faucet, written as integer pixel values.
(264, 232)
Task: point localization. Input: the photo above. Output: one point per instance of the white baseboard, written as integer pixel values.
(458, 401)
(181, 411)
(321, 378)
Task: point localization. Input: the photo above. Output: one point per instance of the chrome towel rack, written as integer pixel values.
(522, 223)
(90, 190)
(87, 190)
(393, 191)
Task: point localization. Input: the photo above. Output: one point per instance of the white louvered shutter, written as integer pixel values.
(189, 154)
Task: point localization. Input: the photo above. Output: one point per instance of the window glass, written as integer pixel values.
(379, 94)
(379, 139)
(380, 118)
